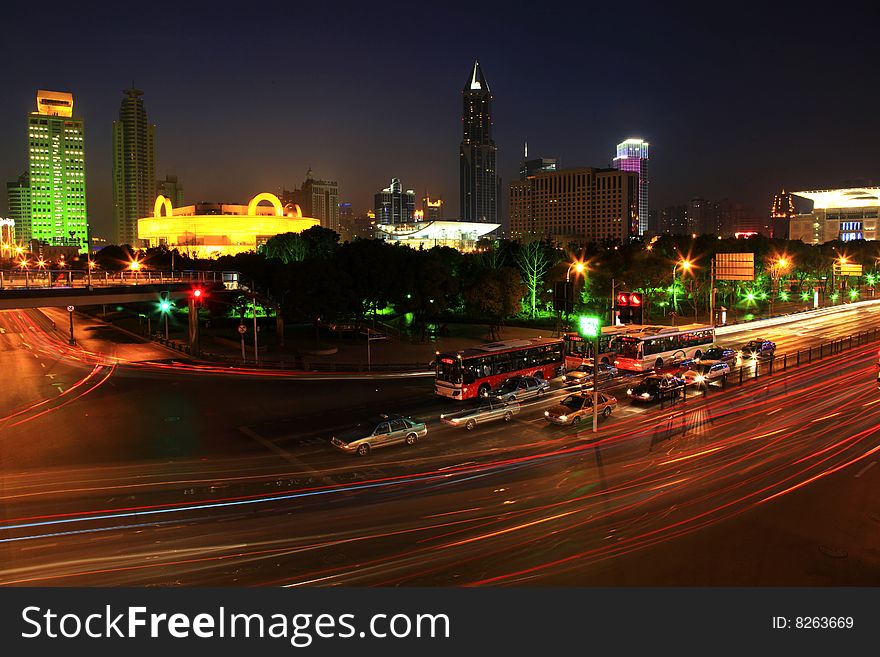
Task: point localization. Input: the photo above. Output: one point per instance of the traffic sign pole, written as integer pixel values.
(242, 329)
(70, 314)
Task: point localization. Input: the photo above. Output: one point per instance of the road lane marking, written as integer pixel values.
(271, 446)
(865, 469)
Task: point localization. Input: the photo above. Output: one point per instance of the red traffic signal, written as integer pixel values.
(197, 293)
(635, 299)
(623, 299)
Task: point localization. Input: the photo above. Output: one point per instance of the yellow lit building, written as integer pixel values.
(209, 230)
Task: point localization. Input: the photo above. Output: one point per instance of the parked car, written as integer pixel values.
(380, 431)
(655, 387)
(583, 374)
(707, 372)
(487, 411)
(577, 407)
(758, 349)
(518, 388)
(719, 353)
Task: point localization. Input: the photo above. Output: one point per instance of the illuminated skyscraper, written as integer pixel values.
(393, 205)
(134, 167)
(56, 167)
(432, 208)
(18, 205)
(479, 182)
(781, 212)
(632, 155)
(318, 199)
(171, 189)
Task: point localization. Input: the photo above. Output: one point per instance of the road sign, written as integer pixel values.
(588, 327)
(242, 329)
(735, 266)
(70, 309)
(847, 269)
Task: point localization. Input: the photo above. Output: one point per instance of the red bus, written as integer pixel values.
(474, 372)
(578, 350)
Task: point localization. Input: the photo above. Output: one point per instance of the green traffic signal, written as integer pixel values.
(588, 327)
(165, 306)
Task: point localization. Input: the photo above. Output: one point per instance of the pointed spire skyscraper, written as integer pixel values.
(479, 182)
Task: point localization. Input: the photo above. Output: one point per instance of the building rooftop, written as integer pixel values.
(856, 197)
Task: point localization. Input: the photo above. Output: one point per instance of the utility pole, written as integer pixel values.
(596, 383)
(256, 342)
(71, 341)
(712, 292)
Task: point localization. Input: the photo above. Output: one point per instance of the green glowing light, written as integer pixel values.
(763, 295)
(588, 327)
(805, 296)
(750, 296)
(783, 296)
(835, 296)
(853, 294)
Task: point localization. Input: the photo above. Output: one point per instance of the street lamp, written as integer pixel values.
(686, 265)
(776, 267)
(578, 267)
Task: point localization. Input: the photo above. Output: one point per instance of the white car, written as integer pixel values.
(707, 372)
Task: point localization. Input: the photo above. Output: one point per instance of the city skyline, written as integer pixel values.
(542, 100)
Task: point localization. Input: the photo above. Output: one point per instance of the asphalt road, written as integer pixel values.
(125, 468)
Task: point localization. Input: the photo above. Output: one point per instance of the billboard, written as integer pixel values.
(848, 269)
(735, 266)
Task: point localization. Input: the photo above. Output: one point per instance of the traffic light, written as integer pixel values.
(629, 307)
(624, 312)
(563, 296)
(635, 307)
(588, 327)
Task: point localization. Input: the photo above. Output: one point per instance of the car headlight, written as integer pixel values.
(700, 378)
(563, 418)
(646, 395)
(546, 413)
(629, 391)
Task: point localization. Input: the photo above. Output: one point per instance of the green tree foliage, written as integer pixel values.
(493, 295)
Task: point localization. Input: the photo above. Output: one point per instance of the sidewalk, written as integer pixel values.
(302, 351)
(100, 337)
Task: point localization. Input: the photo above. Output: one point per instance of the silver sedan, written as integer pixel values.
(485, 412)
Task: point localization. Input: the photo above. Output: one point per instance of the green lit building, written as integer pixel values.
(56, 168)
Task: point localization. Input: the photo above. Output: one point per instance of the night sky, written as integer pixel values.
(735, 103)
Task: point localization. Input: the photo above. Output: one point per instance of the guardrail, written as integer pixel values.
(18, 279)
(762, 367)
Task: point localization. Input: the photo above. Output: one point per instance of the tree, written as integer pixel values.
(287, 247)
(494, 295)
(534, 262)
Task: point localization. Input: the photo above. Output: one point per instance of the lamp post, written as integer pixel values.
(776, 268)
(686, 265)
(589, 327)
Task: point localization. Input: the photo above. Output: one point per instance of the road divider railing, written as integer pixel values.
(749, 369)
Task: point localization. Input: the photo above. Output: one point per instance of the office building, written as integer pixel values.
(208, 230)
(837, 214)
(56, 169)
(134, 167)
(393, 205)
(781, 213)
(674, 220)
(461, 235)
(18, 206)
(432, 209)
(316, 198)
(575, 205)
(346, 222)
(479, 183)
(171, 189)
(632, 155)
(705, 217)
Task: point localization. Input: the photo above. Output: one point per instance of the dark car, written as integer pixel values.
(518, 388)
(758, 349)
(719, 353)
(656, 387)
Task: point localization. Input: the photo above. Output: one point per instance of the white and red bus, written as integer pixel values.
(578, 350)
(652, 347)
(474, 372)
